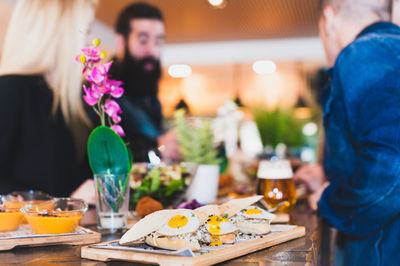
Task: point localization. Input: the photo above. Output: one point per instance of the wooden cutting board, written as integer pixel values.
(24, 237)
(216, 256)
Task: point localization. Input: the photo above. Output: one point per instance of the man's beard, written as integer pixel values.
(137, 80)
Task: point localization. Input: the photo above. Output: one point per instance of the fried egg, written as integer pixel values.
(254, 212)
(182, 223)
(218, 225)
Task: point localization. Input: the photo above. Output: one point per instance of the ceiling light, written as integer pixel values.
(179, 71)
(302, 113)
(217, 3)
(264, 67)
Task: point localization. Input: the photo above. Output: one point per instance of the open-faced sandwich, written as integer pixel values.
(215, 229)
(249, 219)
(178, 233)
(168, 229)
(210, 225)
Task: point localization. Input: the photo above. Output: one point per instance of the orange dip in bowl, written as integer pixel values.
(58, 216)
(10, 219)
(10, 215)
(54, 223)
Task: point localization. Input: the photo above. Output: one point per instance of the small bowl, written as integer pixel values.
(29, 197)
(10, 214)
(57, 216)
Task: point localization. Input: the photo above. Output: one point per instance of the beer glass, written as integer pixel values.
(276, 184)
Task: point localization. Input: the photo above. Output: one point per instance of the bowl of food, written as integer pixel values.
(10, 214)
(32, 197)
(165, 183)
(57, 216)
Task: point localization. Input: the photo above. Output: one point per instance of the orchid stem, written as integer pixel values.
(97, 112)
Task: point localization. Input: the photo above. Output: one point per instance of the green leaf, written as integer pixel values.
(155, 179)
(107, 152)
(279, 126)
(130, 159)
(173, 186)
(196, 142)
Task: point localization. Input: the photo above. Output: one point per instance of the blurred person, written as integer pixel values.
(396, 12)
(140, 37)
(44, 128)
(362, 127)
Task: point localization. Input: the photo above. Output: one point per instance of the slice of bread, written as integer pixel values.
(234, 206)
(171, 244)
(205, 211)
(248, 227)
(227, 238)
(146, 226)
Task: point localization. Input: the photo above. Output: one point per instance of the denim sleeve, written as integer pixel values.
(369, 86)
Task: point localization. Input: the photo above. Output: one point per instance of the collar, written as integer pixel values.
(378, 26)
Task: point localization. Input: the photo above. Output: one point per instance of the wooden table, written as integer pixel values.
(302, 251)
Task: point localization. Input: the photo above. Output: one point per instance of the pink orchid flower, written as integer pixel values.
(113, 110)
(100, 85)
(92, 53)
(103, 89)
(91, 96)
(118, 129)
(99, 73)
(115, 88)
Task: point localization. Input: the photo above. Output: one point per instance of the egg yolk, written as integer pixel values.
(253, 211)
(214, 221)
(216, 243)
(178, 221)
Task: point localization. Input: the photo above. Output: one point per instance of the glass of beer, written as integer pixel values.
(276, 184)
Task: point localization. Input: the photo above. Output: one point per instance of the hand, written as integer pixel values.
(168, 146)
(316, 196)
(312, 176)
(86, 192)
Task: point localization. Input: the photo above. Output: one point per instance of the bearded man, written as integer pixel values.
(140, 37)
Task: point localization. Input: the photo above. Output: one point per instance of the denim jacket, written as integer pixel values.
(362, 147)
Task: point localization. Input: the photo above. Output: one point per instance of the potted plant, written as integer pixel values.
(197, 146)
(279, 126)
(109, 158)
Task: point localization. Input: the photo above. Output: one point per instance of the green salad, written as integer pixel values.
(165, 183)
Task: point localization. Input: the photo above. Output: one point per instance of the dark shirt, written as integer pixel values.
(141, 117)
(37, 149)
(362, 150)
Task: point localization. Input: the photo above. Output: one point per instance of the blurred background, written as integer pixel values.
(263, 55)
(221, 44)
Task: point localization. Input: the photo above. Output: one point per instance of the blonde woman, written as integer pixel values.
(44, 127)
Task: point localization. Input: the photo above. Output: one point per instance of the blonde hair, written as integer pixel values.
(43, 37)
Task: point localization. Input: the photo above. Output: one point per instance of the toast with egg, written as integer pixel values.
(177, 232)
(249, 219)
(146, 226)
(217, 230)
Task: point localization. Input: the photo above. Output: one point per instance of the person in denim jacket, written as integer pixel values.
(361, 116)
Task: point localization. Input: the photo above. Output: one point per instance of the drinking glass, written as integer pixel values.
(276, 184)
(112, 202)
